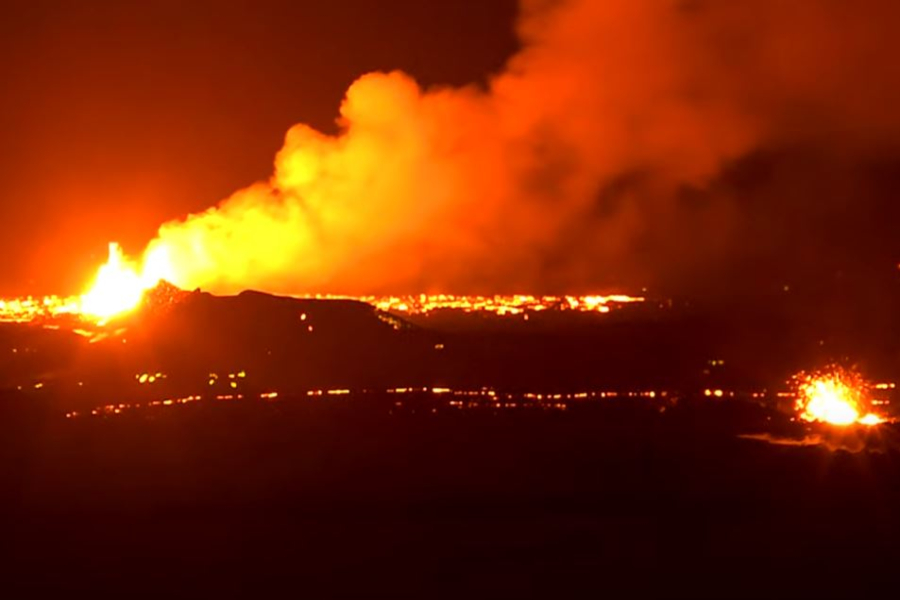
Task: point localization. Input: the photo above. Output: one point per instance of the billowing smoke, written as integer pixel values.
(589, 161)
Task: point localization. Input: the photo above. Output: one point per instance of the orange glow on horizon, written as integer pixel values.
(120, 285)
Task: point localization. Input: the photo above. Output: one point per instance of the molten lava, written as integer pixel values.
(121, 284)
(117, 289)
(836, 396)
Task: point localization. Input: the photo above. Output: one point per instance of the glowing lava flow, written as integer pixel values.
(120, 285)
(838, 397)
(117, 289)
(500, 305)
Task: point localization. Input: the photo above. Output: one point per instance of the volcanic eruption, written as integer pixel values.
(565, 172)
(836, 396)
(118, 287)
(530, 336)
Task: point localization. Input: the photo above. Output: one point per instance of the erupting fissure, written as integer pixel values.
(567, 168)
(117, 288)
(836, 396)
(570, 167)
(121, 283)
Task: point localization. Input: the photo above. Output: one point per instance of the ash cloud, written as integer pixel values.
(608, 153)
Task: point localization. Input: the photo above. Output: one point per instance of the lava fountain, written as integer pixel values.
(118, 287)
(836, 396)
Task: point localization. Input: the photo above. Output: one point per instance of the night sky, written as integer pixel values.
(118, 116)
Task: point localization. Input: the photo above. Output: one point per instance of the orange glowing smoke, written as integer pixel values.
(836, 396)
(529, 179)
(549, 174)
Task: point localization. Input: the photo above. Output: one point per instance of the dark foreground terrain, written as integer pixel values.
(428, 494)
(350, 497)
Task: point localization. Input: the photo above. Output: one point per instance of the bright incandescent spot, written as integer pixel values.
(118, 287)
(836, 396)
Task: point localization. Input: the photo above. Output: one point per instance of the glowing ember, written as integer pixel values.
(118, 287)
(838, 397)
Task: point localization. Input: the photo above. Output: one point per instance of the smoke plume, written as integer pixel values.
(590, 160)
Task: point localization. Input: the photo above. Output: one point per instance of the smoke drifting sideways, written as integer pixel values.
(594, 159)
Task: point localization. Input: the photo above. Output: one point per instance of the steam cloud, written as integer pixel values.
(569, 170)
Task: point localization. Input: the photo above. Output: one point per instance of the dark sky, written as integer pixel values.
(116, 116)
